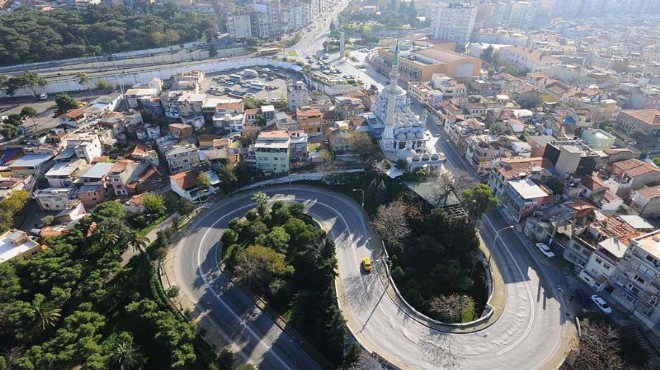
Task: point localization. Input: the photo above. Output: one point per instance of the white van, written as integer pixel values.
(235, 77)
(250, 73)
(257, 85)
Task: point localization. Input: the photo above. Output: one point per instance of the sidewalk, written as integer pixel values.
(151, 236)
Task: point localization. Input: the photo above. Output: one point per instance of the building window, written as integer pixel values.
(639, 279)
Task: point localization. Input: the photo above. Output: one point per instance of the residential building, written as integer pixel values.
(74, 118)
(137, 97)
(267, 112)
(602, 262)
(527, 59)
(181, 130)
(571, 157)
(310, 119)
(585, 242)
(636, 280)
(185, 185)
(480, 151)
(55, 199)
(284, 121)
(182, 157)
(30, 164)
(297, 95)
(521, 15)
(17, 244)
(9, 185)
(454, 22)
(191, 105)
(349, 108)
(420, 63)
(239, 26)
(96, 174)
(298, 145)
(631, 174)
(517, 183)
(85, 145)
(339, 138)
(646, 201)
(272, 151)
(63, 174)
(90, 195)
(598, 139)
(191, 80)
(646, 121)
(229, 116)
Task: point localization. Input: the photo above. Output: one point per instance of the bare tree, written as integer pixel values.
(599, 347)
(451, 307)
(391, 222)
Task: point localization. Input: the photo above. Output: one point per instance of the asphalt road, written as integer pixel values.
(527, 336)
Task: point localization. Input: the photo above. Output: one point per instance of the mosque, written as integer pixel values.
(405, 136)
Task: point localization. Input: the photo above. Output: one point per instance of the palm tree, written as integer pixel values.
(44, 314)
(105, 235)
(227, 173)
(261, 200)
(125, 355)
(139, 243)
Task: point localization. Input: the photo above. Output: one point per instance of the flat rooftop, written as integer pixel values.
(527, 189)
(13, 244)
(650, 243)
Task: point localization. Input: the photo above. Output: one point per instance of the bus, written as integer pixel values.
(268, 51)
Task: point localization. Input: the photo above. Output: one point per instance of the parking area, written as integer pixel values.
(262, 83)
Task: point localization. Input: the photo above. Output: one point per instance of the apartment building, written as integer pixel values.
(636, 280)
(239, 26)
(17, 244)
(310, 119)
(348, 108)
(646, 201)
(87, 146)
(63, 174)
(454, 22)
(272, 151)
(55, 199)
(528, 58)
(421, 63)
(182, 157)
(646, 121)
(517, 183)
(297, 95)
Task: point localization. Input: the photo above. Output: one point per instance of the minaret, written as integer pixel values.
(392, 89)
(387, 141)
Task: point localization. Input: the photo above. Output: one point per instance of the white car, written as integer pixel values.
(545, 250)
(601, 304)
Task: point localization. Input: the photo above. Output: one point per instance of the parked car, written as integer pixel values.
(601, 304)
(545, 250)
(366, 264)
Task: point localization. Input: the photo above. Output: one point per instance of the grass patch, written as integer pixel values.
(293, 53)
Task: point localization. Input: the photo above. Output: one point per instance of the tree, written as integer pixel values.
(104, 85)
(227, 173)
(138, 242)
(65, 103)
(276, 239)
(361, 144)
(154, 203)
(105, 235)
(124, 355)
(256, 265)
(391, 222)
(656, 161)
(213, 50)
(29, 112)
(44, 314)
(260, 199)
(487, 54)
(10, 206)
(108, 210)
(26, 80)
(204, 180)
(47, 220)
(453, 307)
(84, 80)
(598, 348)
(478, 201)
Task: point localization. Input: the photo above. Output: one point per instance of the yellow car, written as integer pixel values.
(366, 264)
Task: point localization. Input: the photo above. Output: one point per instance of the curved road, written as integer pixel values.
(528, 335)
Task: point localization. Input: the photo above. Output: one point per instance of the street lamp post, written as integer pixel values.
(497, 235)
(361, 190)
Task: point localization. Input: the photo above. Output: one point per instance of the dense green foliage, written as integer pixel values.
(9, 207)
(73, 304)
(34, 35)
(438, 258)
(280, 256)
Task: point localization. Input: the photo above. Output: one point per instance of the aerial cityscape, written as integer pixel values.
(330, 184)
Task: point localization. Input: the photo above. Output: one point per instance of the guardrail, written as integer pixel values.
(488, 310)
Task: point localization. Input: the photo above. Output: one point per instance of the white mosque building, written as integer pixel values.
(405, 136)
